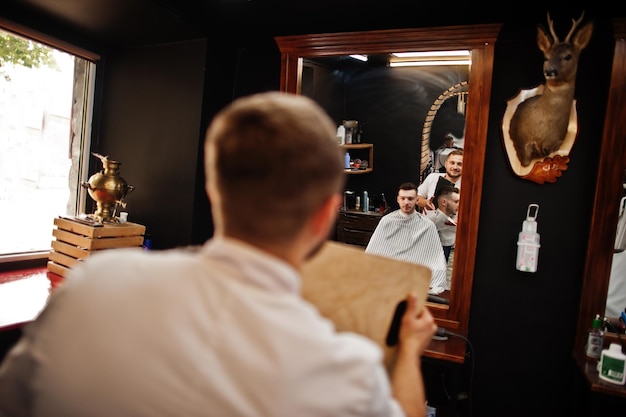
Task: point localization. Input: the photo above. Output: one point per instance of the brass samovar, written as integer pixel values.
(108, 189)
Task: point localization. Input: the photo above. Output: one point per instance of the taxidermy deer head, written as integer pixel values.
(539, 124)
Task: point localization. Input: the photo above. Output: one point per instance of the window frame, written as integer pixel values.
(82, 109)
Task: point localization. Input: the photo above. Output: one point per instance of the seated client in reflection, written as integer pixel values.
(408, 235)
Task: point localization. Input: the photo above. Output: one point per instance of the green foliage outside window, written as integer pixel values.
(18, 51)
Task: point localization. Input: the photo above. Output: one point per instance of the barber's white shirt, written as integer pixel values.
(427, 188)
(220, 332)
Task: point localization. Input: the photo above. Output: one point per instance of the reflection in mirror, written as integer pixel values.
(616, 295)
(425, 104)
(609, 188)
(301, 54)
(444, 128)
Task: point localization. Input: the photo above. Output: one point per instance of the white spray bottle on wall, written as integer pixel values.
(528, 242)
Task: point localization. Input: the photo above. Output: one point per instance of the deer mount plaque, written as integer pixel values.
(540, 125)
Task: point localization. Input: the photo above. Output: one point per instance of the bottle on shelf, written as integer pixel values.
(383, 203)
(595, 339)
(366, 201)
(612, 365)
(347, 161)
(341, 135)
(147, 242)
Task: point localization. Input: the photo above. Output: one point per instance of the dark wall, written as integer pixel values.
(523, 324)
(150, 120)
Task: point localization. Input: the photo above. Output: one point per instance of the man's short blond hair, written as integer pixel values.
(271, 161)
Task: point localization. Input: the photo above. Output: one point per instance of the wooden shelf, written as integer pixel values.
(74, 241)
(358, 171)
(362, 149)
(358, 146)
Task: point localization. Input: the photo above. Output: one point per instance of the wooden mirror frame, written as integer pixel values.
(480, 40)
(609, 188)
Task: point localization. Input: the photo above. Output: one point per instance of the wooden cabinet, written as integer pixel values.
(363, 151)
(356, 227)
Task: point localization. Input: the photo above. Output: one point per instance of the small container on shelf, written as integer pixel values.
(363, 155)
(595, 339)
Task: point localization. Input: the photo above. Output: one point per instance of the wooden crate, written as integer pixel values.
(75, 240)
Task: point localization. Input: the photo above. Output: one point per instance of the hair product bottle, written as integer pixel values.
(366, 202)
(341, 135)
(595, 339)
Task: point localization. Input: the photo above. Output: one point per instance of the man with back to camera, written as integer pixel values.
(444, 216)
(223, 330)
(408, 235)
(454, 169)
(445, 219)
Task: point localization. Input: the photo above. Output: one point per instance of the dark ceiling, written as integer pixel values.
(153, 21)
(136, 22)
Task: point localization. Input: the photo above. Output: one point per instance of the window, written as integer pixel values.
(45, 122)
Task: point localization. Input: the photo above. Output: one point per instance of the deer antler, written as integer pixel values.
(551, 26)
(575, 24)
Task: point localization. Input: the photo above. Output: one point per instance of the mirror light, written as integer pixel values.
(431, 54)
(359, 57)
(430, 58)
(429, 63)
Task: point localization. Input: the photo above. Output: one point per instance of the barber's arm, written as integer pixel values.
(424, 202)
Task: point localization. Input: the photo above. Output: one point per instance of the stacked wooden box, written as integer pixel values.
(75, 240)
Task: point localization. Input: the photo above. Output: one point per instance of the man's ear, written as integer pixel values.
(325, 216)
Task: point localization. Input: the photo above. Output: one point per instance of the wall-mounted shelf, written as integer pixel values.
(361, 151)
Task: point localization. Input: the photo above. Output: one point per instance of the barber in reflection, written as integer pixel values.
(452, 176)
(408, 235)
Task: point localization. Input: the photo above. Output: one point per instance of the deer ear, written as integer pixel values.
(582, 36)
(543, 40)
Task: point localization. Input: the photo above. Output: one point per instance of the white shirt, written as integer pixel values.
(616, 295)
(218, 332)
(410, 238)
(427, 188)
(446, 226)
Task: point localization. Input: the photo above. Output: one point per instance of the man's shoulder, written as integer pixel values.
(431, 214)
(430, 180)
(434, 176)
(428, 220)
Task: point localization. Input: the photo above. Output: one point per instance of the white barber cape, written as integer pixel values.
(411, 238)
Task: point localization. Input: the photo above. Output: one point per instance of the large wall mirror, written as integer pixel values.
(609, 192)
(301, 50)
